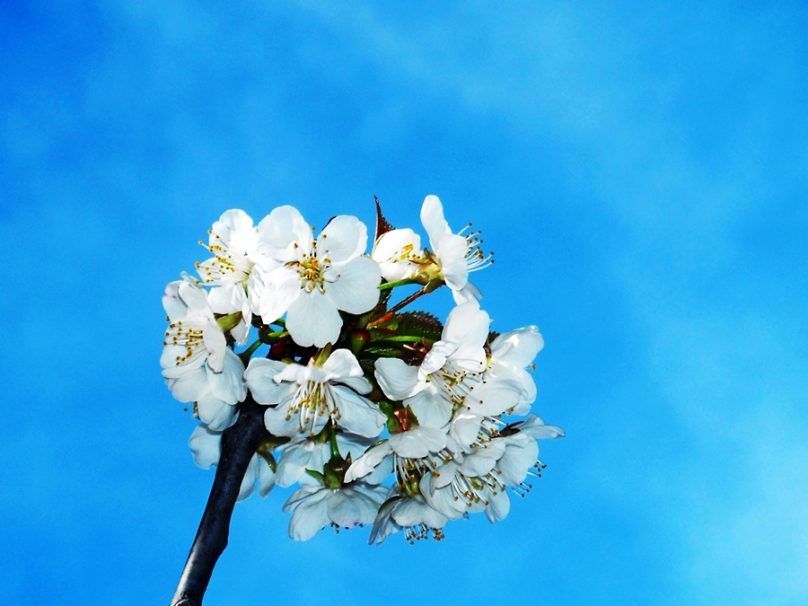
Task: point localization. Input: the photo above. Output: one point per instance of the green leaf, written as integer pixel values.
(419, 323)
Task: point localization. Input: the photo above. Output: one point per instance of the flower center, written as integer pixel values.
(476, 259)
(223, 264)
(184, 336)
(312, 401)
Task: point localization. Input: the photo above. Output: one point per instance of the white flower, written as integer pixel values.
(452, 377)
(511, 354)
(314, 454)
(411, 514)
(232, 242)
(313, 507)
(197, 364)
(457, 254)
(477, 480)
(229, 299)
(399, 255)
(206, 447)
(314, 279)
(409, 453)
(308, 396)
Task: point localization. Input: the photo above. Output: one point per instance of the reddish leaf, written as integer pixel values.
(382, 224)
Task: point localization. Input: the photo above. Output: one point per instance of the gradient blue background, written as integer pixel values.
(640, 171)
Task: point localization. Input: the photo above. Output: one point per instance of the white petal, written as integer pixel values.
(190, 386)
(415, 511)
(482, 460)
(309, 516)
(279, 231)
(354, 287)
(467, 325)
(196, 299)
(442, 500)
(396, 379)
(313, 320)
(368, 461)
(282, 288)
(259, 377)
(218, 415)
(342, 363)
(349, 508)
(216, 345)
(295, 460)
(465, 428)
(499, 504)
(469, 293)
(520, 455)
(357, 414)
(248, 481)
(418, 442)
(235, 230)
(278, 424)
(205, 446)
(173, 305)
(344, 238)
(226, 299)
(451, 252)
(517, 347)
(492, 398)
(228, 385)
(392, 250)
(535, 428)
(266, 477)
(433, 220)
(436, 358)
(431, 408)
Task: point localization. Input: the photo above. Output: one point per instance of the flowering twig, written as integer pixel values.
(239, 443)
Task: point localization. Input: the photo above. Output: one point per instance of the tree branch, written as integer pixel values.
(239, 443)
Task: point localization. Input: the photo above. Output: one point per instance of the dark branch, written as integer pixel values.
(239, 443)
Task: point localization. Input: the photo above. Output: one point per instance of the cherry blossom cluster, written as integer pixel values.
(380, 415)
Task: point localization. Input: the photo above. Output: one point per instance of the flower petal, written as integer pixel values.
(396, 378)
(342, 363)
(431, 408)
(418, 442)
(259, 377)
(280, 230)
(313, 320)
(215, 413)
(518, 347)
(357, 414)
(368, 461)
(228, 385)
(309, 516)
(205, 446)
(344, 238)
(281, 289)
(355, 285)
(434, 221)
(451, 252)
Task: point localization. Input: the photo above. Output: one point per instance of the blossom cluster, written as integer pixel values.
(380, 415)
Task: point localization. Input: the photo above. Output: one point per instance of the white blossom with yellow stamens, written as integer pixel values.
(307, 397)
(233, 242)
(312, 280)
(456, 254)
(197, 364)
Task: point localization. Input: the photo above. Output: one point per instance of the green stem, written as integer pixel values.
(388, 285)
(230, 321)
(402, 339)
(247, 353)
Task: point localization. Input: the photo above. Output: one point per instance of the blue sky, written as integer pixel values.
(639, 170)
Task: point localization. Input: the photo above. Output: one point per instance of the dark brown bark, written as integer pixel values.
(239, 443)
